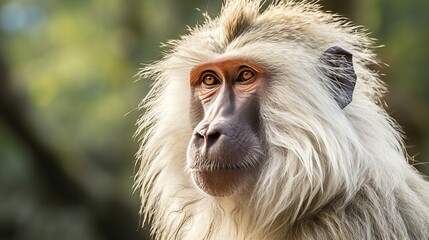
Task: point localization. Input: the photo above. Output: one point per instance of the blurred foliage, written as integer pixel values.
(403, 27)
(68, 98)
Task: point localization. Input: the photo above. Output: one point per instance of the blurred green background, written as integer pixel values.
(68, 98)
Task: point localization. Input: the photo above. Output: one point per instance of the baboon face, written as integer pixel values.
(226, 148)
(227, 144)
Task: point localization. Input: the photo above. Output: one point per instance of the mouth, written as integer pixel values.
(221, 180)
(224, 173)
(219, 167)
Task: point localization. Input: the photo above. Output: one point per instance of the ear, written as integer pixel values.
(342, 74)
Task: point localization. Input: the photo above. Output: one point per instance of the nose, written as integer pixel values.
(207, 135)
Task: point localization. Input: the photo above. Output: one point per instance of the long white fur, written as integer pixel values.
(329, 173)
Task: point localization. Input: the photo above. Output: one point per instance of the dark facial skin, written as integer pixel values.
(226, 148)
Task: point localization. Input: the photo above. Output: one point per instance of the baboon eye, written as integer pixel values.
(245, 75)
(210, 80)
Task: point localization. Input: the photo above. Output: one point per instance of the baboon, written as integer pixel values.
(266, 123)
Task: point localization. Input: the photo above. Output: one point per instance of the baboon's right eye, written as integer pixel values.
(209, 80)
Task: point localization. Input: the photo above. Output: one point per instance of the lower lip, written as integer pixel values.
(215, 169)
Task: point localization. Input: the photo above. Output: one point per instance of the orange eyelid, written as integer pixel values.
(226, 67)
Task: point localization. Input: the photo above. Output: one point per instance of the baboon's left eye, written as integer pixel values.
(245, 75)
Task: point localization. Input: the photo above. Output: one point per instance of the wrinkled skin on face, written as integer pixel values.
(226, 148)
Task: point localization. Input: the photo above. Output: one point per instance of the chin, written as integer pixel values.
(224, 182)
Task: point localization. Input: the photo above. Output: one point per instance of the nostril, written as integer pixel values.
(212, 137)
(207, 136)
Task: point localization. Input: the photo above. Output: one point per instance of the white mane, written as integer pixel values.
(330, 173)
